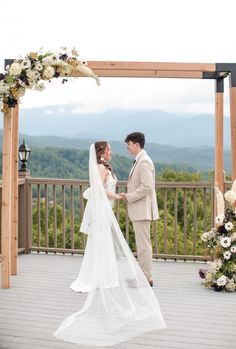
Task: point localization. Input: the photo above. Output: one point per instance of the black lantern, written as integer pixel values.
(24, 154)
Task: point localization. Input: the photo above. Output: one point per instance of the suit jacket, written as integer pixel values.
(141, 193)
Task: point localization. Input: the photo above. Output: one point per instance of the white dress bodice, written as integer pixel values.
(110, 186)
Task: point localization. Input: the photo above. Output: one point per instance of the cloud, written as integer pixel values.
(124, 30)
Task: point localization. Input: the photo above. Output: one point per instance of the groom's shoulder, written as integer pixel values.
(146, 158)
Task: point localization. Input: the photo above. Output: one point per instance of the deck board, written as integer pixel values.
(39, 299)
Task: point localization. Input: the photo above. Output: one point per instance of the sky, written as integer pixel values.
(124, 30)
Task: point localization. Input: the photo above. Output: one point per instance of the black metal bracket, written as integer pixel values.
(209, 75)
(229, 68)
(8, 61)
(219, 87)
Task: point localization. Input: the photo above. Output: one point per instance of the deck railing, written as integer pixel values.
(50, 213)
(51, 210)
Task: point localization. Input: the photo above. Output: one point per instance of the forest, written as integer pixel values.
(184, 213)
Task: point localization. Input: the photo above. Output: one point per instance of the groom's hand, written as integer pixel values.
(123, 195)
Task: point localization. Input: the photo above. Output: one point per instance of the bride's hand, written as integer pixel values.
(123, 196)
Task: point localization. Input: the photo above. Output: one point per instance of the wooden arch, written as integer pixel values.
(216, 71)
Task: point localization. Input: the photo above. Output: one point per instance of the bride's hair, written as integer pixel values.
(100, 148)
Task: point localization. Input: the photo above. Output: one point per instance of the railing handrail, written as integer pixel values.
(177, 236)
(160, 184)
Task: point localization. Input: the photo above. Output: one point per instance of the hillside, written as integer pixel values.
(73, 163)
(114, 124)
(189, 158)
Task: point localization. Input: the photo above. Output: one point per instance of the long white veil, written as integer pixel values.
(120, 303)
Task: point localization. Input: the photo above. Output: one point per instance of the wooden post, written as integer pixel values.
(25, 212)
(6, 197)
(219, 135)
(233, 129)
(14, 237)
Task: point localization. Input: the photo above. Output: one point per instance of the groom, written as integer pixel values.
(141, 198)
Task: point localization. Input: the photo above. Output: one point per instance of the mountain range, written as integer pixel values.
(159, 127)
(181, 158)
(183, 141)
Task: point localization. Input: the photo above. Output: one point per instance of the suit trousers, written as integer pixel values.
(144, 246)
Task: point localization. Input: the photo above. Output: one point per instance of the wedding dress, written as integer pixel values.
(120, 303)
(86, 276)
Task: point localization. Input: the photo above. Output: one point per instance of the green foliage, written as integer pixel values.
(169, 174)
(183, 217)
(53, 236)
(59, 163)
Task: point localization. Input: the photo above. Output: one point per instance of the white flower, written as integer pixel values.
(32, 75)
(221, 281)
(46, 61)
(15, 69)
(230, 196)
(30, 84)
(54, 59)
(233, 236)
(208, 235)
(225, 242)
(230, 285)
(74, 52)
(66, 68)
(212, 234)
(227, 255)
(219, 219)
(208, 277)
(49, 73)
(233, 249)
(215, 266)
(25, 64)
(3, 87)
(229, 226)
(205, 237)
(218, 263)
(38, 66)
(39, 87)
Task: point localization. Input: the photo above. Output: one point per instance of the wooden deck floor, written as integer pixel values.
(40, 299)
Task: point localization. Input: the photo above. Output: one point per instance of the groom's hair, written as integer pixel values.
(136, 137)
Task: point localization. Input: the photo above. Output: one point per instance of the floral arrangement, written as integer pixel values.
(221, 245)
(29, 72)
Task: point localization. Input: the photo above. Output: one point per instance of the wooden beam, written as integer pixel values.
(219, 141)
(135, 73)
(159, 66)
(14, 237)
(233, 130)
(6, 197)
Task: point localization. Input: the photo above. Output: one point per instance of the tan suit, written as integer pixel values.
(142, 207)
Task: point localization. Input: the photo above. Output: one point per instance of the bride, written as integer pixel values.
(120, 303)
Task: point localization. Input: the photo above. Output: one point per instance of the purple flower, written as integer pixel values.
(63, 57)
(202, 273)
